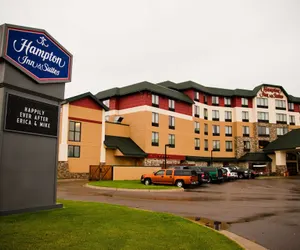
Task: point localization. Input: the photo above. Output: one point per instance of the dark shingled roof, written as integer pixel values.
(85, 95)
(291, 140)
(125, 144)
(224, 92)
(257, 156)
(214, 159)
(144, 86)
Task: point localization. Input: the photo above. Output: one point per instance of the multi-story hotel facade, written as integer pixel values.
(196, 124)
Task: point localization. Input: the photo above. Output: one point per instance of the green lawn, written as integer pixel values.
(129, 184)
(87, 225)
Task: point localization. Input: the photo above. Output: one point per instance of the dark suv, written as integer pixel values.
(202, 176)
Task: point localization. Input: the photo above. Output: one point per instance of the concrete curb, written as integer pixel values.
(245, 243)
(242, 242)
(134, 190)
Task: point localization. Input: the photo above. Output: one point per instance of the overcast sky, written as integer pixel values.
(230, 44)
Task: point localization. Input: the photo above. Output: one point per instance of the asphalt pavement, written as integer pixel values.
(263, 211)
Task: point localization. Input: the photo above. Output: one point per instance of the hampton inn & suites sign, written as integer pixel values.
(37, 54)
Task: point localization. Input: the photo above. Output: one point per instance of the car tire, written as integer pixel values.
(179, 183)
(241, 176)
(209, 180)
(147, 181)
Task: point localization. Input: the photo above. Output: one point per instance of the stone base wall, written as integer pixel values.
(281, 169)
(159, 162)
(64, 173)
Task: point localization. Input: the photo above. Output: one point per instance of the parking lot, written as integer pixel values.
(265, 211)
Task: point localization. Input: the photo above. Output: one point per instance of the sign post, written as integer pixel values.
(34, 68)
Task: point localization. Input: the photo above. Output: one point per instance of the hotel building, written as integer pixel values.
(195, 124)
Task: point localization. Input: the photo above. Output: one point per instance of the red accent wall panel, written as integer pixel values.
(237, 101)
(250, 102)
(296, 107)
(87, 103)
(135, 100)
(209, 100)
(164, 103)
(161, 156)
(190, 93)
(221, 101)
(183, 108)
(113, 103)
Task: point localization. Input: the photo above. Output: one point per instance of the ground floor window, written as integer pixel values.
(74, 151)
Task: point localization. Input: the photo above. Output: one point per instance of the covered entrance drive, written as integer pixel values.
(285, 153)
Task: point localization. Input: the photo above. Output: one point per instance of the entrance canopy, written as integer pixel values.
(289, 141)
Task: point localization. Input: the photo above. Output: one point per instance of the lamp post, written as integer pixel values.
(167, 145)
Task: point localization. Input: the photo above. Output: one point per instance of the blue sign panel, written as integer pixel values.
(38, 55)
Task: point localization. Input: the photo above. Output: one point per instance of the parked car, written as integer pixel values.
(202, 176)
(177, 177)
(215, 174)
(225, 174)
(231, 175)
(243, 173)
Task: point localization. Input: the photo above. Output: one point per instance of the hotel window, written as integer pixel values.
(172, 141)
(245, 102)
(281, 131)
(74, 131)
(155, 119)
(228, 145)
(228, 131)
(215, 100)
(215, 115)
(227, 101)
(197, 144)
(155, 139)
(171, 105)
(73, 151)
(246, 131)
(262, 102)
(155, 101)
(216, 145)
(246, 146)
(292, 120)
(197, 127)
(171, 122)
(263, 131)
(196, 97)
(205, 99)
(106, 103)
(280, 104)
(281, 118)
(205, 129)
(228, 116)
(197, 111)
(245, 116)
(262, 116)
(206, 145)
(291, 106)
(205, 114)
(216, 130)
(262, 144)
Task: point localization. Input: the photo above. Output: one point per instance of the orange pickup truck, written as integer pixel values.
(176, 177)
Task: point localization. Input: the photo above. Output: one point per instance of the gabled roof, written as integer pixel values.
(224, 92)
(85, 95)
(290, 140)
(144, 86)
(256, 156)
(125, 144)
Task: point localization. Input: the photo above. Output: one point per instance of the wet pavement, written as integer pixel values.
(264, 211)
